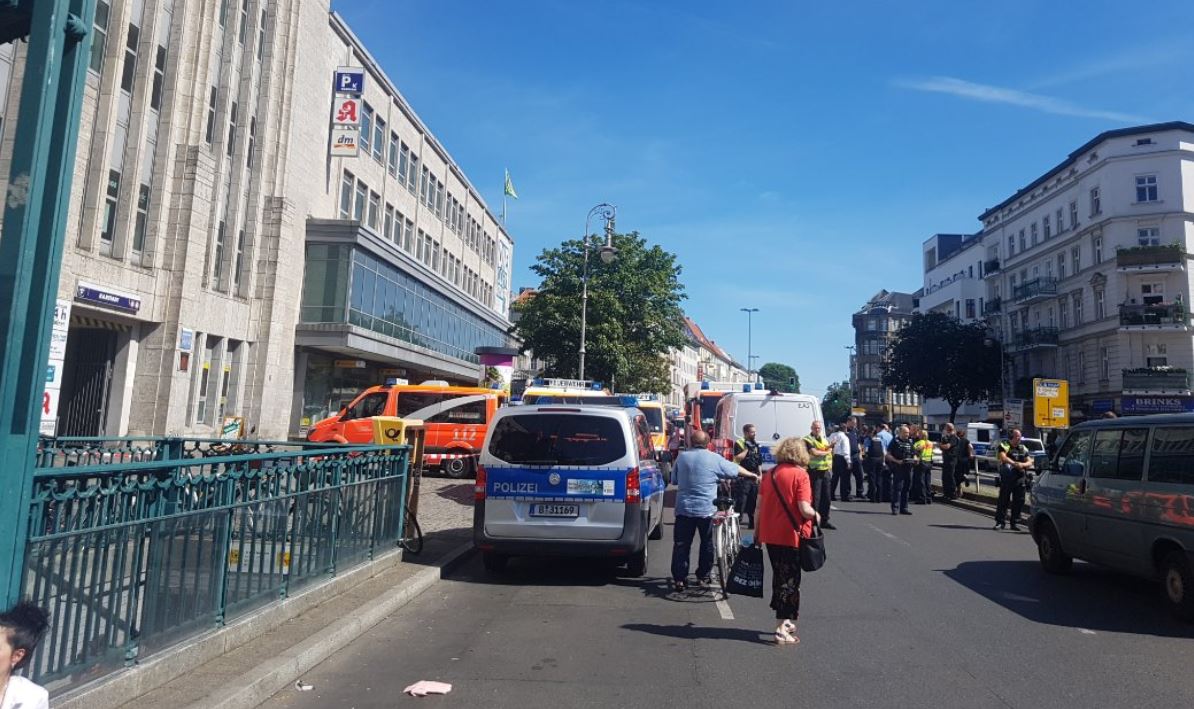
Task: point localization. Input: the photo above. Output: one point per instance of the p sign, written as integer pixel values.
(349, 80)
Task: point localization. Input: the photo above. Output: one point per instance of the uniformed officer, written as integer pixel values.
(901, 456)
(1014, 461)
(922, 482)
(749, 456)
(820, 455)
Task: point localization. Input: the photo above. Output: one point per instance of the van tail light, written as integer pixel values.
(633, 493)
(479, 486)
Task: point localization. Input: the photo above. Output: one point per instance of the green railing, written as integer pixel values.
(69, 451)
(131, 557)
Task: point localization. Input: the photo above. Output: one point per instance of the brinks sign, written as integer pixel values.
(349, 80)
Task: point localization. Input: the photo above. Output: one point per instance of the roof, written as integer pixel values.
(695, 332)
(1073, 157)
(893, 301)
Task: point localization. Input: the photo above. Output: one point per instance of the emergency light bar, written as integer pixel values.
(707, 385)
(569, 383)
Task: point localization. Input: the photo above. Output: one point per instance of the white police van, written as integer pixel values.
(775, 416)
(568, 480)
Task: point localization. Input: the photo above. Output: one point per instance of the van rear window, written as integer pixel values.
(558, 439)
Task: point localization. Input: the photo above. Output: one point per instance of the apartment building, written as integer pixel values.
(218, 264)
(1087, 275)
(713, 363)
(875, 328)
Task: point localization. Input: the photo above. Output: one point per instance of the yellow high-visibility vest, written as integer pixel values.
(925, 449)
(819, 445)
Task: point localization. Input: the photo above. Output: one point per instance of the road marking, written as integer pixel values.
(723, 607)
(889, 535)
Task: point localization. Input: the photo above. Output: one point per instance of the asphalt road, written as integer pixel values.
(935, 609)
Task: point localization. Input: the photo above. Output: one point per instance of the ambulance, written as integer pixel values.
(562, 391)
(700, 402)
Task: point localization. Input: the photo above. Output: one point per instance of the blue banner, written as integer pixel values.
(1138, 405)
(91, 294)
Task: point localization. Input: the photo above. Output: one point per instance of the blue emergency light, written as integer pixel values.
(758, 387)
(705, 385)
(391, 381)
(746, 388)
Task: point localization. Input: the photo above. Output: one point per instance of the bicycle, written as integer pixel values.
(727, 539)
(413, 545)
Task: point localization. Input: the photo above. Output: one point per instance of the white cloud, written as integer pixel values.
(1012, 97)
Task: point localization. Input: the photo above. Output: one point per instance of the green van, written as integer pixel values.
(1120, 493)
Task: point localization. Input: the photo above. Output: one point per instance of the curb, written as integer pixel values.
(266, 679)
(981, 507)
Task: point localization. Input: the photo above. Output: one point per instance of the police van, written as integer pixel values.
(775, 416)
(568, 480)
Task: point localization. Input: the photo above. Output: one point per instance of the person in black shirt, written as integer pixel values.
(748, 455)
(901, 456)
(949, 453)
(855, 455)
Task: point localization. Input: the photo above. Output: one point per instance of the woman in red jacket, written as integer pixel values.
(785, 513)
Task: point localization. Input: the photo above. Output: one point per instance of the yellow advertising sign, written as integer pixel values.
(1051, 403)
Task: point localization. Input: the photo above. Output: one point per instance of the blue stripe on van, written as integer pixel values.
(607, 484)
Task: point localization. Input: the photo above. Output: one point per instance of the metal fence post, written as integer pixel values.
(35, 215)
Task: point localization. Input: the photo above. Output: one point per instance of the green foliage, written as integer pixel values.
(837, 404)
(780, 377)
(939, 357)
(634, 314)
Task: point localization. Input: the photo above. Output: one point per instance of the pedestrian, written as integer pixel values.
(901, 457)
(785, 515)
(698, 471)
(886, 471)
(1014, 461)
(820, 455)
(840, 482)
(949, 452)
(875, 466)
(964, 461)
(856, 454)
(21, 628)
(747, 454)
(922, 483)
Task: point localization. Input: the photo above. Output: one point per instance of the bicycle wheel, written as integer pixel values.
(721, 554)
(734, 537)
(413, 545)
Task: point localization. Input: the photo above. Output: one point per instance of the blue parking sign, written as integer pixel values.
(349, 80)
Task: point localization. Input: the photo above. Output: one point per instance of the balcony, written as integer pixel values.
(993, 306)
(1169, 257)
(991, 266)
(1156, 380)
(1162, 316)
(1034, 291)
(1034, 338)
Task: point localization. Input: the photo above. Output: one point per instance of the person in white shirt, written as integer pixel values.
(840, 443)
(21, 628)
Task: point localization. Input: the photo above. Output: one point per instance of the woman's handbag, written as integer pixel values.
(812, 548)
(746, 576)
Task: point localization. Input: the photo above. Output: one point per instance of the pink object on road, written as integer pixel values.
(424, 687)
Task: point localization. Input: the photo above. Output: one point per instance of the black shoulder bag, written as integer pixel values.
(812, 548)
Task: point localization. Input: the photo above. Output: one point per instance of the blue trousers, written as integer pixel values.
(901, 482)
(682, 546)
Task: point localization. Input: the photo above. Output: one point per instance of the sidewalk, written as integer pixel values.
(246, 675)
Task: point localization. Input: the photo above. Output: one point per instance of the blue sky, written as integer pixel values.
(793, 155)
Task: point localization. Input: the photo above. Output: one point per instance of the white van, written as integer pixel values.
(984, 437)
(775, 416)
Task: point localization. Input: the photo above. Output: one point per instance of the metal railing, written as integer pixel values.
(1154, 255)
(1160, 314)
(1036, 288)
(993, 306)
(991, 266)
(69, 451)
(1156, 379)
(1035, 337)
(130, 557)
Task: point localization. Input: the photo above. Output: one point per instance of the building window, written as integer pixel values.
(1074, 214)
(130, 59)
(1034, 237)
(358, 208)
(1100, 305)
(366, 128)
(970, 312)
(113, 192)
(379, 139)
(388, 225)
(346, 185)
(393, 158)
(223, 13)
(1146, 188)
(1081, 367)
(1063, 313)
(408, 233)
(413, 176)
(244, 21)
(220, 246)
(1011, 246)
(142, 219)
(1096, 202)
(1060, 223)
(209, 135)
(1148, 236)
(436, 258)
(1077, 309)
(1104, 364)
(239, 263)
(1061, 265)
(1076, 257)
(261, 36)
(1156, 355)
(1045, 227)
(403, 163)
(1097, 249)
(1023, 242)
(231, 128)
(159, 75)
(374, 209)
(100, 40)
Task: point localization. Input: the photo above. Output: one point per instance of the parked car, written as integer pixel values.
(1120, 492)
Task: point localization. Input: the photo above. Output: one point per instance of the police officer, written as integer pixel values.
(1014, 462)
(749, 456)
(820, 455)
(922, 483)
(901, 456)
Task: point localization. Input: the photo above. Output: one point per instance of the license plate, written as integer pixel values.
(543, 510)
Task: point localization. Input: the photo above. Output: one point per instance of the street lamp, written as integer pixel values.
(608, 254)
(749, 356)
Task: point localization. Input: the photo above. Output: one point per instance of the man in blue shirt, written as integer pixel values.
(697, 473)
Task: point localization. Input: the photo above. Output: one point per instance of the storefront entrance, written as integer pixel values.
(86, 382)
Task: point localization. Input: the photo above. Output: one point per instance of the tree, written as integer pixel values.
(780, 377)
(838, 403)
(634, 314)
(939, 357)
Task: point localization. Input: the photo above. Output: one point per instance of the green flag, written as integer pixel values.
(510, 186)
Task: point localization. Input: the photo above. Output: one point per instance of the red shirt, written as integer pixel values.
(774, 526)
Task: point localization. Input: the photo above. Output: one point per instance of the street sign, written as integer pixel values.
(345, 143)
(1013, 414)
(1051, 403)
(349, 80)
